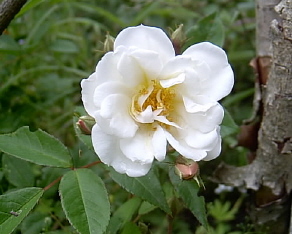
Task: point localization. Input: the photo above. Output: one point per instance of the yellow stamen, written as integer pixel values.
(154, 95)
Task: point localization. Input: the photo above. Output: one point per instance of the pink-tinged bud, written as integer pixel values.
(85, 124)
(186, 168)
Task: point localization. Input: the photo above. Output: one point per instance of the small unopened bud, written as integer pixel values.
(85, 124)
(186, 168)
(108, 44)
(178, 39)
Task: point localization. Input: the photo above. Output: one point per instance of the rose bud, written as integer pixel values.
(186, 168)
(108, 44)
(85, 124)
(178, 39)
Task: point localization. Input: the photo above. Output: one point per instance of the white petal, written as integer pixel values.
(128, 67)
(186, 72)
(107, 147)
(203, 121)
(116, 108)
(148, 38)
(159, 144)
(103, 123)
(145, 116)
(143, 97)
(108, 88)
(194, 77)
(173, 81)
(221, 79)
(174, 71)
(137, 65)
(149, 61)
(199, 140)
(111, 105)
(176, 140)
(87, 93)
(106, 69)
(139, 147)
(198, 103)
(135, 169)
(178, 64)
(164, 120)
(214, 153)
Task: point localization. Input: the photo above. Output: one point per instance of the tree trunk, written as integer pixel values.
(269, 175)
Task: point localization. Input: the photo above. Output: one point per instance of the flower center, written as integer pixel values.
(151, 102)
(160, 99)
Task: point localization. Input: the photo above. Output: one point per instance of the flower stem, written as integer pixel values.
(170, 224)
(53, 183)
(91, 164)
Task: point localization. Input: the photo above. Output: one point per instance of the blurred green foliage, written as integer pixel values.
(51, 45)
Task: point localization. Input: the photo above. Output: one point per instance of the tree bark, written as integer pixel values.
(265, 13)
(8, 10)
(270, 173)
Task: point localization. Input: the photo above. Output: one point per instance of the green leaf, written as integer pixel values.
(41, 26)
(146, 207)
(85, 201)
(1, 175)
(209, 29)
(123, 215)
(188, 192)
(234, 99)
(15, 206)
(147, 187)
(28, 6)
(64, 46)
(36, 222)
(99, 11)
(147, 10)
(222, 211)
(228, 126)
(9, 45)
(18, 172)
(38, 147)
(132, 228)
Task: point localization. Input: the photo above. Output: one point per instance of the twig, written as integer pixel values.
(8, 10)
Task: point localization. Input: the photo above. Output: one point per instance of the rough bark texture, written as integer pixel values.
(270, 173)
(265, 14)
(8, 9)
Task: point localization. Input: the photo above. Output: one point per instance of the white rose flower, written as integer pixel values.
(143, 96)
